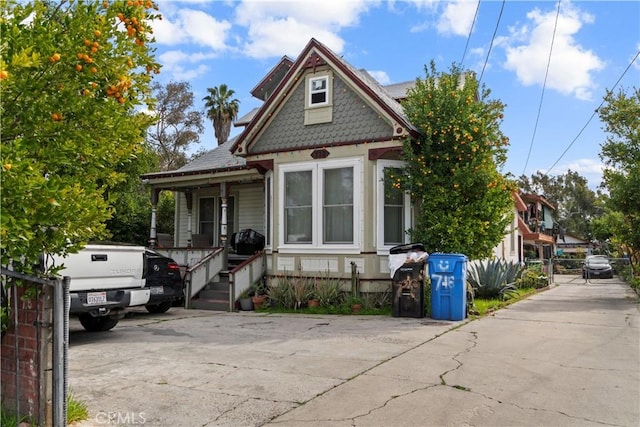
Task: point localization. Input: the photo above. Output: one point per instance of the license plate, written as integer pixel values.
(157, 290)
(95, 298)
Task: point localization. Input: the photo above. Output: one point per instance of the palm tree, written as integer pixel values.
(222, 110)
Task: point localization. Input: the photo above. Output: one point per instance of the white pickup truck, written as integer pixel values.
(105, 280)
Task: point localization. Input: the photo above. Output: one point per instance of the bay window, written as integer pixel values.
(320, 204)
(393, 209)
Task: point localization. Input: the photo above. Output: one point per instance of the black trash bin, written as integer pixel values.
(408, 281)
(247, 242)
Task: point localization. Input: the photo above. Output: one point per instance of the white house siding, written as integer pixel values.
(181, 220)
(507, 249)
(250, 206)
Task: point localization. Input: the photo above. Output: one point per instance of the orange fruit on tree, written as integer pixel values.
(78, 67)
(94, 70)
(97, 33)
(3, 75)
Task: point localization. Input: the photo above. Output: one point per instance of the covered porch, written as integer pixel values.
(211, 204)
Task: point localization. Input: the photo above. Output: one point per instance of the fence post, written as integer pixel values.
(60, 350)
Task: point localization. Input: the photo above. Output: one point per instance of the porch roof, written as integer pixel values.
(217, 160)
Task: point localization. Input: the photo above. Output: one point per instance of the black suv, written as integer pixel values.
(164, 282)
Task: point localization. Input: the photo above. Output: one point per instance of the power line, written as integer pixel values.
(470, 31)
(544, 85)
(592, 115)
(492, 39)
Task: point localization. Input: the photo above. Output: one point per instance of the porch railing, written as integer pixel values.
(245, 275)
(202, 272)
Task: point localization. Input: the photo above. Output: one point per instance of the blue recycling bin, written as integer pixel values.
(448, 274)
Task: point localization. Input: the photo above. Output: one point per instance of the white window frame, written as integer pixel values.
(382, 248)
(317, 173)
(326, 91)
(268, 205)
(217, 205)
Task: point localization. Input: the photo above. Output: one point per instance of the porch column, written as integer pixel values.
(153, 236)
(189, 197)
(223, 219)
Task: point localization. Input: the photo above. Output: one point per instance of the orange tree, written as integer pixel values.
(464, 203)
(74, 79)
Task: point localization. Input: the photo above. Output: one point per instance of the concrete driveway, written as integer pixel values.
(566, 356)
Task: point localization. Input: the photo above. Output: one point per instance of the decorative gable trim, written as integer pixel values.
(261, 166)
(378, 153)
(314, 60)
(320, 154)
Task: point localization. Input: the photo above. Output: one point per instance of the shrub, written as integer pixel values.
(532, 278)
(302, 291)
(281, 293)
(493, 278)
(327, 291)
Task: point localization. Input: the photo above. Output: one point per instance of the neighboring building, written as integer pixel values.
(307, 173)
(573, 245)
(511, 249)
(540, 231)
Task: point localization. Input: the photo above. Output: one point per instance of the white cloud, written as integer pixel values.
(192, 26)
(457, 18)
(284, 27)
(380, 76)
(178, 64)
(591, 169)
(571, 67)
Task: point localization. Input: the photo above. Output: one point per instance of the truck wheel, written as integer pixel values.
(159, 308)
(97, 324)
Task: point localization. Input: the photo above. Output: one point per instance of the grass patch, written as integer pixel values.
(76, 411)
(485, 306)
(8, 418)
(334, 309)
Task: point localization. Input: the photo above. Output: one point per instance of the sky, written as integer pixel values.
(551, 63)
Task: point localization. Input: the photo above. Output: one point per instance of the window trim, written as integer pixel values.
(311, 92)
(217, 205)
(268, 205)
(381, 247)
(317, 179)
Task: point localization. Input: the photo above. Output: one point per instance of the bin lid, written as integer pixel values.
(410, 247)
(445, 255)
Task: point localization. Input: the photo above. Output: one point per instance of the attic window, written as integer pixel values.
(318, 103)
(318, 91)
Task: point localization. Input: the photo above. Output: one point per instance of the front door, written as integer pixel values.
(210, 215)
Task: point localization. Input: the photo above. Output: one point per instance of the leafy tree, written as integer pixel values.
(576, 204)
(73, 77)
(131, 202)
(177, 125)
(222, 110)
(621, 156)
(452, 171)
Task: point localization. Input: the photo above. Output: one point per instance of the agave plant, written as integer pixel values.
(281, 293)
(327, 290)
(493, 278)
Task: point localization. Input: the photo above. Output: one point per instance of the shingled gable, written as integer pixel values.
(316, 54)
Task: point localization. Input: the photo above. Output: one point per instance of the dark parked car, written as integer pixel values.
(597, 266)
(164, 280)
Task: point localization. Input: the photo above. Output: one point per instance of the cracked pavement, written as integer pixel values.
(567, 356)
